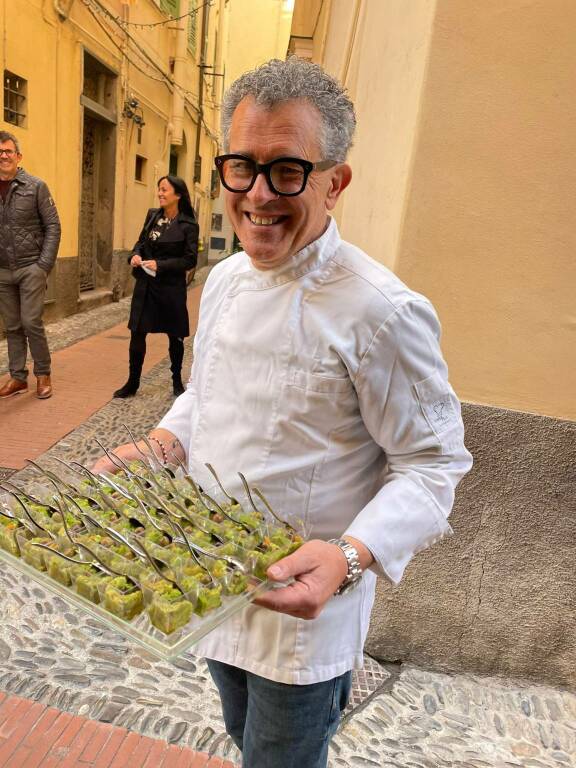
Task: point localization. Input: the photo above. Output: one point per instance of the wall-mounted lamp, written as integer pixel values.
(133, 111)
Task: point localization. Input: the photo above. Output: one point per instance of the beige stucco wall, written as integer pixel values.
(258, 30)
(498, 597)
(464, 177)
(379, 50)
(489, 225)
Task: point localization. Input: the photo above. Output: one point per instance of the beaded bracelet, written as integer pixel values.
(162, 448)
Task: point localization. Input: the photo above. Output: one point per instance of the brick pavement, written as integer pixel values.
(33, 735)
(84, 376)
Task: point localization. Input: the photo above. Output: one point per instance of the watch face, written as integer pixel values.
(349, 586)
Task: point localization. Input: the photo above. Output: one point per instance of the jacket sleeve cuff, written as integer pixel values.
(398, 522)
(177, 420)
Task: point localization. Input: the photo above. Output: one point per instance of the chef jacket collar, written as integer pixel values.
(306, 260)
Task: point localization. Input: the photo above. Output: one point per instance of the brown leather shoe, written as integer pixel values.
(13, 387)
(43, 387)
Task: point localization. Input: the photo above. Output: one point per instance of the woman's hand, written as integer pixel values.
(136, 260)
(150, 264)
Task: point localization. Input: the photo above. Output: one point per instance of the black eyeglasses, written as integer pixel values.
(7, 152)
(285, 176)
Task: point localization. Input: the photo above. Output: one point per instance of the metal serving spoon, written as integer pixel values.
(28, 513)
(96, 563)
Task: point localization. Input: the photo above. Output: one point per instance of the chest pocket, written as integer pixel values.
(311, 407)
(24, 200)
(317, 382)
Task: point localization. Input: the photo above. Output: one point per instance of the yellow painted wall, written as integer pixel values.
(49, 54)
(259, 30)
(256, 31)
(46, 151)
(470, 197)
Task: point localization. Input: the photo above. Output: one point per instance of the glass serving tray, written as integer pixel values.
(146, 552)
(140, 629)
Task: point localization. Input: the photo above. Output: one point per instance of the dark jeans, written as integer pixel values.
(22, 293)
(277, 725)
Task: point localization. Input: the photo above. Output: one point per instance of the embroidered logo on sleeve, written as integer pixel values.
(440, 412)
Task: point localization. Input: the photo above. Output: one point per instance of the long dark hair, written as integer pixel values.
(180, 188)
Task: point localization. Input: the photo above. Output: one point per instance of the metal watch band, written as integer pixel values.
(354, 570)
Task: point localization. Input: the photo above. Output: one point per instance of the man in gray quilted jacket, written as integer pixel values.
(29, 239)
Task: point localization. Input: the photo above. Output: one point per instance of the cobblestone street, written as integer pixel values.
(57, 656)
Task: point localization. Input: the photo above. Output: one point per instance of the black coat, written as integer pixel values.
(159, 303)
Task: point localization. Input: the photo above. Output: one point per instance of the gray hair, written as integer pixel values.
(5, 136)
(278, 81)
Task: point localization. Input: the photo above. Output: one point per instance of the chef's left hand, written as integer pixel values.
(151, 264)
(318, 568)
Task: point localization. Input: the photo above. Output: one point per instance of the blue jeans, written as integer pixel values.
(277, 725)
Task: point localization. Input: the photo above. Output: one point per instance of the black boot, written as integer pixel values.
(177, 387)
(129, 389)
(137, 354)
(176, 349)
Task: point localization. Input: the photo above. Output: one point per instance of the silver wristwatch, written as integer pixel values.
(354, 570)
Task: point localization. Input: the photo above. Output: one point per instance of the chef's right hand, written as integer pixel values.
(136, 260)
(127, 452)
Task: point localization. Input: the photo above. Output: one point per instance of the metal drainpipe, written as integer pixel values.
(180, 74)
(350, 42)
(124, 131)
(202, 257)
(200, 92)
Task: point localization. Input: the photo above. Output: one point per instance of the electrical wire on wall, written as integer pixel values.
(140, 25)
(98, 10)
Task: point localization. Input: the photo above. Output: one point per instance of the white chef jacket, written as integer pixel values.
(323, 382)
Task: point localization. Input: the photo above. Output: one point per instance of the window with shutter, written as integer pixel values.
(192, 23)
(170, 6)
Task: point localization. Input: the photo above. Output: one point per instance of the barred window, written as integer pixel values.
(15, 103)
(217, 222)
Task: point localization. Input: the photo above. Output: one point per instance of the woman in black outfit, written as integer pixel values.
(166, 249)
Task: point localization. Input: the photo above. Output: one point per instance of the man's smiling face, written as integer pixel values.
(271, 228)
(9, 162)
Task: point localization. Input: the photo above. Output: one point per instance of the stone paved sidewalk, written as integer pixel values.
(431, 720)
